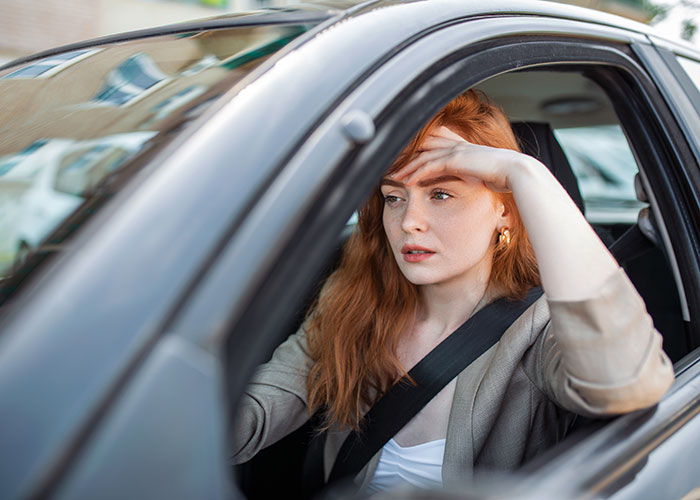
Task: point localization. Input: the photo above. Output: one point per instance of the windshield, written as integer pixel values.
(74, 124)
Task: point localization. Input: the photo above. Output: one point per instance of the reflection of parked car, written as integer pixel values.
(43, 184)
(133, 325)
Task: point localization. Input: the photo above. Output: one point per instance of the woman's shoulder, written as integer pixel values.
(529, 325)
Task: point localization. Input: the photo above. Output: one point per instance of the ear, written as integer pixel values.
(504, 215)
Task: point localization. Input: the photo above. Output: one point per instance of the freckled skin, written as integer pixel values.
(573, 262)
(457, 219)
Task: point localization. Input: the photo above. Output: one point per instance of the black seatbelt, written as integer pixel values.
(404, 400)
(631, 245)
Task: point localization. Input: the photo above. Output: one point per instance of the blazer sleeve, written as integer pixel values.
(602, 356)
(275, 401)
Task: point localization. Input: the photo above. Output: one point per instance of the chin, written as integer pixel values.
(420, 278)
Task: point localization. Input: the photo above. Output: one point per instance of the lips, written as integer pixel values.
(416, 253)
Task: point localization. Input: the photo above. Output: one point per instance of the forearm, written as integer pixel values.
(275, 402)
(264, 416)
(573, 262)
(602, 356)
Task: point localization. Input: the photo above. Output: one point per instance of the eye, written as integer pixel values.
(440, 195)
(390, 199)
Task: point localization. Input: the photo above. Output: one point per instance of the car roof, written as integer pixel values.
(340, 10)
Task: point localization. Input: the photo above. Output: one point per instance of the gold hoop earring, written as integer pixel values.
(504, 237)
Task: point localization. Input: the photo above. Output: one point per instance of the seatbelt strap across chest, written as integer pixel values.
(404, 400)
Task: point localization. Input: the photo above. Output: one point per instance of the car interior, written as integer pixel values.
(568, 122)
(545, 108)
(565, 103)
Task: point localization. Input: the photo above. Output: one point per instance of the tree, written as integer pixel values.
(688, 29)
(659, 11)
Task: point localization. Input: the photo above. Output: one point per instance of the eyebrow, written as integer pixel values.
(424, 183)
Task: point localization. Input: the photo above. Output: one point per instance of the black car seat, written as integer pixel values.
(537, 139)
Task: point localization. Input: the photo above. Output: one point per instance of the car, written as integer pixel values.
(48, 180)
(196, 183)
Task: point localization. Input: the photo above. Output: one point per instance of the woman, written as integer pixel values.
(461, 219)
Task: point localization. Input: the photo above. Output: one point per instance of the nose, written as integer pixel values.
(414, 216)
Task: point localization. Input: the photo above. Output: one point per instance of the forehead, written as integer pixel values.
(431, 181)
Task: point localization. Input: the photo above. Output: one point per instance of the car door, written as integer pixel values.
(655, 460)
(123, 129)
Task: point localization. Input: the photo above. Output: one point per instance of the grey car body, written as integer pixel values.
(122, 355)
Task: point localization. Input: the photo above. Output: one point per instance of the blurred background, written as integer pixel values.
(29, 26)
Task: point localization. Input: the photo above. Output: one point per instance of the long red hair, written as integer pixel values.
(367, 304)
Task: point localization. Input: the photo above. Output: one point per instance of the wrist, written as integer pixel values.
(528, 171)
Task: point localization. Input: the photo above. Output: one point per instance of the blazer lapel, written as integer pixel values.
(458, 461)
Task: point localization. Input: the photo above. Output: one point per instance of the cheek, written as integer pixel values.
(390, 226)
(471, 225)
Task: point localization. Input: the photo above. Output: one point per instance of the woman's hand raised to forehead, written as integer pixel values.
(446, 153)
(572, 260)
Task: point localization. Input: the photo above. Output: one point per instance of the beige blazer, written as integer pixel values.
(597, 357)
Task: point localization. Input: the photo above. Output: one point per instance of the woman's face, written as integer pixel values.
(442, 229)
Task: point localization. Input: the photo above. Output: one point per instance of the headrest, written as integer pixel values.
(537, 139)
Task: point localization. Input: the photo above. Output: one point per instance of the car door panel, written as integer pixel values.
(170, 416)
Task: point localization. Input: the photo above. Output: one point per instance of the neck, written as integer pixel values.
(445, 306)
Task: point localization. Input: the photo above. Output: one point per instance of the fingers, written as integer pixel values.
(442, 137)
(445, 151)
(447, 133)
(426, 169)
(405, 173)
(436, 142)
(440, 144)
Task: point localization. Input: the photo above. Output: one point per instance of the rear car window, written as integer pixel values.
(74, 124)
(605, 172)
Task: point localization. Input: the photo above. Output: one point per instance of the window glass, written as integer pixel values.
(71, 121)
(692, 68)
(129, 80)
(49, 66)
(605, 168)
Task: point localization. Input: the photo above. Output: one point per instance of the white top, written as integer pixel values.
(419, 465)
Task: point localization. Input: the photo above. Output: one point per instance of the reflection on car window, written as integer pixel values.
(72, 120)
(129, 80)
(49, 66)
(43, 184)
(605, 172)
